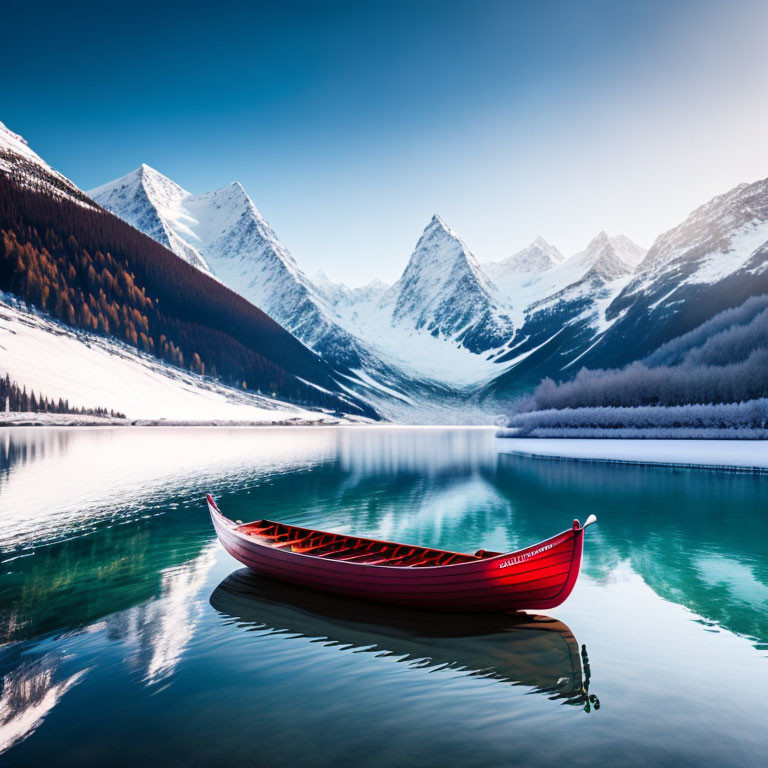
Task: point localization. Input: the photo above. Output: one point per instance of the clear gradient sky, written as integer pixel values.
(351, 123)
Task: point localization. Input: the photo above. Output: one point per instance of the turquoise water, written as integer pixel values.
(128, 635)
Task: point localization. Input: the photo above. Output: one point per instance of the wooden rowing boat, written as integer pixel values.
(537, 577)
(534, 651)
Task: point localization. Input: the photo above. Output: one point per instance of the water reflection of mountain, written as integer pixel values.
(28, 693)
(152, 636)
(416, 451)
(454, 500)
(157, 632)
(537, 652)
(72, 584)
(696, 537)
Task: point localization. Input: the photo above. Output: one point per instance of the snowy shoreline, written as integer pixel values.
(78, 420)
(731, 455)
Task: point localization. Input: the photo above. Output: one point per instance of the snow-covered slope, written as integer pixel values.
(560, 313)
(223, 232)
(417, 339)
(91, 370)
(153, 204)
(715, 241)
(712, 261)
(338, 294)
(539, 256)
(603, 261)
(226, 234)
(444, 292)
(441, 320)
(25, 166)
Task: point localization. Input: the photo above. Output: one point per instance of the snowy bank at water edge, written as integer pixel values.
(88, 370)
(746, 455)
(36, 419)
(39, 419)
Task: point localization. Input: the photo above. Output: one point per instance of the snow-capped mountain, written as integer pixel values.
(714, 260)
(154, 205)
(443, 304)
(441, 321)
(444, 292)
(539, 256)
(561, 312)
(610, 258)
(222, 232)
(338, 294)
(19, 161)
(449, 325)
(604, 260)
(225, 321)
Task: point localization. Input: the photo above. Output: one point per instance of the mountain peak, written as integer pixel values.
(439, 248)
(238, 189)
(29, 169)
(437, 225)
(607, 258)
(437, 220)
(14, 142)
(444, 292)
(539, 256)
(600, 240)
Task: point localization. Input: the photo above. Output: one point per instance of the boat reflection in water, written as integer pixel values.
(537, 652)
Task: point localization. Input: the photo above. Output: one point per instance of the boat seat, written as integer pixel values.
(482, 553)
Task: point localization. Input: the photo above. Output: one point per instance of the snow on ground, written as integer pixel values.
(425, 356)
(736, 454)
(18, 145)
(92, 371)
(38, 419)
(744, 242)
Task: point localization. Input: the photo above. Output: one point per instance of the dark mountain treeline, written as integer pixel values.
(725, 360)
(93, 271)
(714, 378)
(15, 399)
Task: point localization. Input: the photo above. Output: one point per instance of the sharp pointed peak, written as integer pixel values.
(236, 186)
(144, 173)
(234, 191)
(622, 238)
(145, 170)
(437, 222)
(17, 144)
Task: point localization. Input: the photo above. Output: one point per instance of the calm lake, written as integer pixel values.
(128, 636)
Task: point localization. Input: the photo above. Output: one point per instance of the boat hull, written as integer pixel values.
(538, 577)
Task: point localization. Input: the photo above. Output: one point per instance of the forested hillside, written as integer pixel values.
(92, 271)
(713, 378)
(15, 399)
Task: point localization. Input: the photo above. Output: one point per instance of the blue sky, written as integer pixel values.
(350, 124)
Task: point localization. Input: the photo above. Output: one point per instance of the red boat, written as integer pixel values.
(540, 576)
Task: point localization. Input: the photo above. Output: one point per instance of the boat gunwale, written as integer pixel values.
(254, 540)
